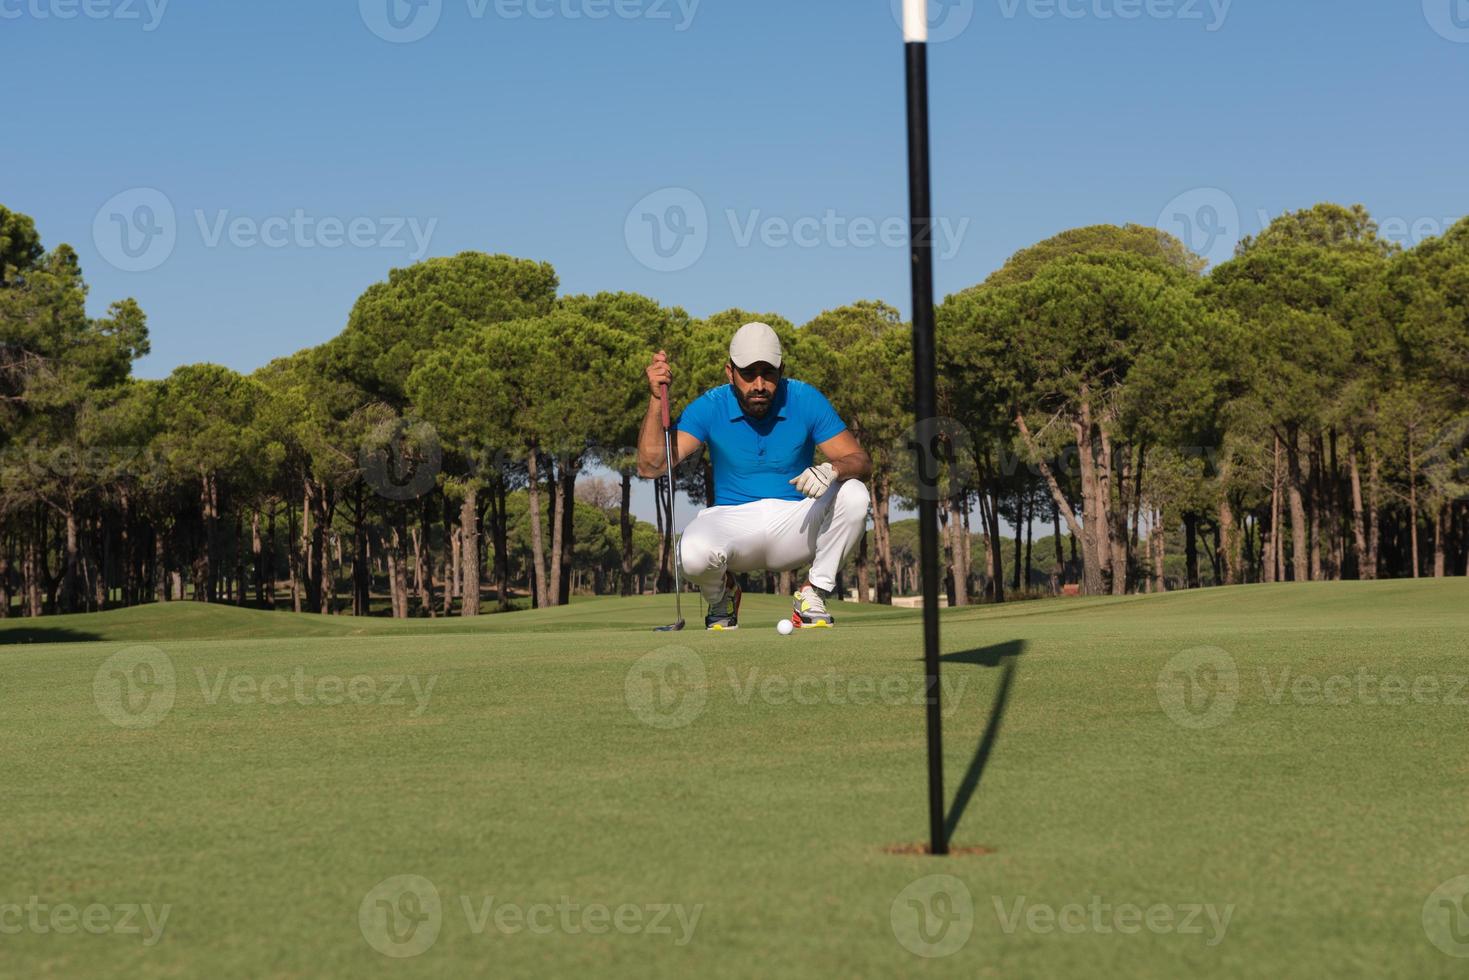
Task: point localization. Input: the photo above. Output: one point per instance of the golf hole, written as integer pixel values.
(923, 848)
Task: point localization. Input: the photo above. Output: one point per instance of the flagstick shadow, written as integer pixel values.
(1002, 655)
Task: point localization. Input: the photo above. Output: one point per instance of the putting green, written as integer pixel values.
(1256, 781)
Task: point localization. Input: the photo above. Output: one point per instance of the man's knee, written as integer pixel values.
(700, 554)
(853, 497)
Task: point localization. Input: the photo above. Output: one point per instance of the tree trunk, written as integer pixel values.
(1296, 485)
(624, 524)
(1091, 575)
(1029, 540)
(1229, 546)
(1096, 554)
(1413, 502)
(426, 558)
(537, 542)
(1440, 540)
(451, 558)
(469, 548)
(996, 552)
(565, 528)
(863, 593)
(1157, 542)
(1374, 516)
(1191, 548)
(956, 553)
(1359, 526)
(500, 535)
(71, 570)
(882, 537)
(398, 562)
(1060, 577)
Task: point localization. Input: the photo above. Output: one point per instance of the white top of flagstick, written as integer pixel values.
(915, 20)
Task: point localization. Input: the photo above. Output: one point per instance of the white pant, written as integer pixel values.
(775, 535)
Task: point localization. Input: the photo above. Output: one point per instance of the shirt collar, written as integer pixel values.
(778, 408)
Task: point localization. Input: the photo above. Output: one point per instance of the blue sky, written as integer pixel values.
(305, 148)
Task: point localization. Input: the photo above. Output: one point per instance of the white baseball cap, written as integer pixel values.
(755, 342)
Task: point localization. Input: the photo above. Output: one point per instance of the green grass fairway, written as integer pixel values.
(603, 798)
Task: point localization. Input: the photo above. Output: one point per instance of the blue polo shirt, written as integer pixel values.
(757, 460)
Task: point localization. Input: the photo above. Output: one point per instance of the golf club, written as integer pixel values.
(677, 624)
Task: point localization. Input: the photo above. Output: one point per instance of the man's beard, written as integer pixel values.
(755, 409)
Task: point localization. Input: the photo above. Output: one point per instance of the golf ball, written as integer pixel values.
(784, 627)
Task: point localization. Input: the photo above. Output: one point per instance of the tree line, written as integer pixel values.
(1300, 412)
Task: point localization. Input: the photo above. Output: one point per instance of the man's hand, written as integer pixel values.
(659, 373)
(814, 480)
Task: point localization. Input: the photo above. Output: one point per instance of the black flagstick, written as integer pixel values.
(915, 44)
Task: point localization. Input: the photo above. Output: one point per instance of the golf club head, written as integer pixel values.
(670, 628)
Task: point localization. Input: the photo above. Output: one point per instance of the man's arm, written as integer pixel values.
(847, 457)
(652, 454)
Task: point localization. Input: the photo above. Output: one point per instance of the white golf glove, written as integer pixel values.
(814, 480)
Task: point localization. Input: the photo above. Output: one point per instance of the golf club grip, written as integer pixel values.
(667, 422)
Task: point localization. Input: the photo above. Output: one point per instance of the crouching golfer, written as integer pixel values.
(772, 510)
